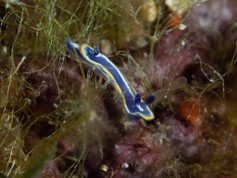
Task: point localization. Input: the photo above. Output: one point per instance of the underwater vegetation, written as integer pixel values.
(59, 118)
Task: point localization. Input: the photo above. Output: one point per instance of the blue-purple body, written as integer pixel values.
(133, 103)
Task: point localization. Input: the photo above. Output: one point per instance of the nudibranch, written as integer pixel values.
(132, 101)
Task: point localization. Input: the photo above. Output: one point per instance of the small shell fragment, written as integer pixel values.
(125, 165)
(104, 167)
(179, 6)
(148, 12)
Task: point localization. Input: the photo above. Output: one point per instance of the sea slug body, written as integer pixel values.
(132, 101)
